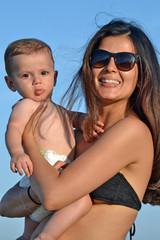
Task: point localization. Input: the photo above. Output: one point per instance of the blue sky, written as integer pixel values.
(66, 26)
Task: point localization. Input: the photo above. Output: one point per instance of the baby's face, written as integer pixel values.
(33, 75)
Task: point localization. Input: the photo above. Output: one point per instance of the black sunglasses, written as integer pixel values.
(124, 61)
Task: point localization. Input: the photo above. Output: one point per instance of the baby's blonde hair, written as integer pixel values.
(24, 46)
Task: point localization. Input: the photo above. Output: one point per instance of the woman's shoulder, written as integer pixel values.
(133, 125)
(135, 134)
(131, 132)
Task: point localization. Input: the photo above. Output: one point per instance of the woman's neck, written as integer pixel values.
(112, 113)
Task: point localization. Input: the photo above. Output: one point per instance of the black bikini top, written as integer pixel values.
(117, 190)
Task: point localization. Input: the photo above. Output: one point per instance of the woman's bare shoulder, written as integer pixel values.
(129, 139)
(135, 134)
(130, 130)
(134, 126)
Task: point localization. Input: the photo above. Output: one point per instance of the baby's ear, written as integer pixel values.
(10, 83)
(55, 77)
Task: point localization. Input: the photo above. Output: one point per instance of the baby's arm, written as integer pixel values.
(64, 218)
(79, 122)
(18, 119)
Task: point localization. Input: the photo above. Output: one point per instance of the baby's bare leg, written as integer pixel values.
(64, 218)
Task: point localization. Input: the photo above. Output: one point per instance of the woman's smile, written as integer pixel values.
(110, 83)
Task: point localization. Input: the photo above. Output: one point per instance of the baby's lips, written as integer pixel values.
(39, 92)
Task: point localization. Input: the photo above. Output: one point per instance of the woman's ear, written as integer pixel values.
(55, 77)
(10, 83)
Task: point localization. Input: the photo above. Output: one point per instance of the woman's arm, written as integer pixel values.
(107, 156)
(20, 202)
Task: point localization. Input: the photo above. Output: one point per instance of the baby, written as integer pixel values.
(30, 71)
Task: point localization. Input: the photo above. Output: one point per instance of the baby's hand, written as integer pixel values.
(21, 162)
(97, 131)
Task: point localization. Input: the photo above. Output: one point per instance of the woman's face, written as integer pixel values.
(110, 83)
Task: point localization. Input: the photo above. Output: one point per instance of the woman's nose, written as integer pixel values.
(111, 66)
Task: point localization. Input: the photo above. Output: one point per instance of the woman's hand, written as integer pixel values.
(60, 165)
(32, 126)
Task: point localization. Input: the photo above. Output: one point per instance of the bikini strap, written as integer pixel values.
(132, 231)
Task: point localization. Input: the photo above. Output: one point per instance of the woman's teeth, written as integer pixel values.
(109, 81)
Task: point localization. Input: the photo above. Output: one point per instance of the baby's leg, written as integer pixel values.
(29, 228)
(64, 218)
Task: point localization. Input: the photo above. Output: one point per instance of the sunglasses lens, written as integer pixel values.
(125, 61)
(99, 58)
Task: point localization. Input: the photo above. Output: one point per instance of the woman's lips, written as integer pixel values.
(109, 81)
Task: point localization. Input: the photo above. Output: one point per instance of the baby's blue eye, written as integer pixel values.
(44, 73)
(26, 75)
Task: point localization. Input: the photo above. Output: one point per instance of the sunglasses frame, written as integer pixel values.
(114, 55)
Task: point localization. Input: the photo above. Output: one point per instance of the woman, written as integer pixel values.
(120, 79)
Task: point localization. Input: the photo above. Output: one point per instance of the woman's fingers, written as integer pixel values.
(60, 165)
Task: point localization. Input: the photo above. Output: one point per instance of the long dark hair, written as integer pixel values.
(145, 100)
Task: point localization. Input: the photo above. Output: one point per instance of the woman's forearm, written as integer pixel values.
(46, 181)
(16, 203)
(87, 172)
(50, 186)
